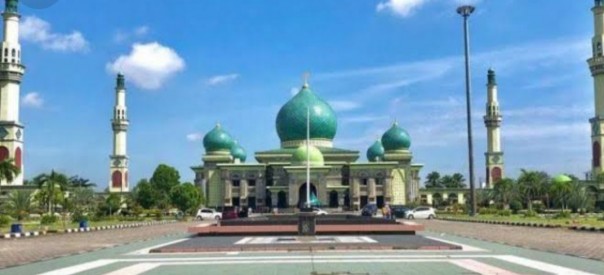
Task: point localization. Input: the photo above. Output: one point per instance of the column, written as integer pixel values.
(228, 193)
(243, 193)
(355, 194)
(371, 190)
(388, 190)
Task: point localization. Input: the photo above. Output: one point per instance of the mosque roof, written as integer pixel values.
(217, 140)
(375, 151)
(396, 138)
(238, 152)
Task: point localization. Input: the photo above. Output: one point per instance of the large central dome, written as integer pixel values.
(291, 120)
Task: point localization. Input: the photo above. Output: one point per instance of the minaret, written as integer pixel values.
(11, 73)
(492, 121)
(119, 160)
(596, 65)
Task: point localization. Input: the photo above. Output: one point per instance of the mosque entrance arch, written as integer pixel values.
(302, 195)
(282, 199)
(333, 199)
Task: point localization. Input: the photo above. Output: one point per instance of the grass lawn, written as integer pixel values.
(35, 225)
(579, 220)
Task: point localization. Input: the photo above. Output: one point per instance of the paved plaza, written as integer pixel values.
(476, 256)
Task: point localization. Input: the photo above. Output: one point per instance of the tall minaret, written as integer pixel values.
(596, 65)
(119, 160)
(11, 73)
(492, 120)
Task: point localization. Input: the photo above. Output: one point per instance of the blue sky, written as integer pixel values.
(237, 62)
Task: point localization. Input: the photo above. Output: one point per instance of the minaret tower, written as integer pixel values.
(119, 160)
(596, 65)
(11, 72)
(492, 121)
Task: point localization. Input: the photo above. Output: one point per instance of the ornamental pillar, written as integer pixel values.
(371, 190)
(228, 193)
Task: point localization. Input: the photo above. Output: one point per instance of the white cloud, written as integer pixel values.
(149, 65)
(402, 8)
(343, 105)
(33, 100)
(194, 137)
(36, 30)
(221, 79)
(138, 32)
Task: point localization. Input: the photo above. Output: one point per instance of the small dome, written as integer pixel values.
(238, 152)
(217, 140)
(396, 138)
(561, 179)
(291, 119)
(315, 156)
(375, 152)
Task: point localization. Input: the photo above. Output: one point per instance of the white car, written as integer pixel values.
(421, 213)
(208, 214)
(319, 211)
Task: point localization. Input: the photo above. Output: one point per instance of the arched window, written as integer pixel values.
(126, 179)
(18, 158)
(496, 174)
(596, 154)
(599, 49)
(3, 153)
(13, 53)
(116, 179)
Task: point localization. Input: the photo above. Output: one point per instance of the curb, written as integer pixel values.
(84, 229)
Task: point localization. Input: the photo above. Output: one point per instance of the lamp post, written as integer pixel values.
(465, 12)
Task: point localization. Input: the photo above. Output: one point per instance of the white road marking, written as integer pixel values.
(147, 249)
(554, 269)
(463, 246)
(481, 268)
(81, 267)
(244, 240)
(135, 269)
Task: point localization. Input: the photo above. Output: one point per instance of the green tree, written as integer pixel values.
(52, 187)
(19, 203)
(8, 170)
(82, 202)
(532, 185)
(458, 180)
(447, 181)
(579, 197)
(77, 181)
(144, 195)
(433, 180)
(113, 203)
(164, 178)
(185, 197)
(504, 190)
(561, 192)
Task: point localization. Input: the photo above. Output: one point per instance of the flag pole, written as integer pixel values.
(307, 157)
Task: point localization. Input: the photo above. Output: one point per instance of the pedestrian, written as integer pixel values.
(388, 212)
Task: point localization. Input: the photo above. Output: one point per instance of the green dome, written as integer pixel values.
(375, 152)
(396, 138)
(291, 119)
(561, 179)
(238, 152)
(217, 140)
(315, 156)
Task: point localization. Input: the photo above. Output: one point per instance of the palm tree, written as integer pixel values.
(77, 181)
(447, 182)
(52, 187)
(532, 185)
(579, 197)
(458, 180)
(8, 170)
(19, 203)
(504, 190)
(561, 192)
(433, 180)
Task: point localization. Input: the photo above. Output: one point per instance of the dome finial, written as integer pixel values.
(306, 76)
(218, 124)
(395, 122)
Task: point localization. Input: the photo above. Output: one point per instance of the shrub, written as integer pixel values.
(515, 206)
(505, 213)
(530, 214)
(539, 208)
(4, 220)
(48, 219)
(562, 215)
(487, 211)
(79, 217)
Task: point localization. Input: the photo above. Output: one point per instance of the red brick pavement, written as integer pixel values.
(21, 251)
(558, 240)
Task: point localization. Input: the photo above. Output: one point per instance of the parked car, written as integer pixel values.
(399, 211)
(229, 213)
(421, 213)
(208, 214)
(319, 211)
(369, 210)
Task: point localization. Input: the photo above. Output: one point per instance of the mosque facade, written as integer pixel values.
(337, 178)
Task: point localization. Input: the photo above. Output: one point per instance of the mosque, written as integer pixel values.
(337, 179)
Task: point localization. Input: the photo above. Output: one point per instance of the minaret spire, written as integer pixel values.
(118, 168)
(596, 65)
(11, 73)
(492, 121)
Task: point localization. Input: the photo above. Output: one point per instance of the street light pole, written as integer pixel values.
(465, 11)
